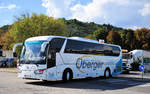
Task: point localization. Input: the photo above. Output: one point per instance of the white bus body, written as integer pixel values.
(66, 58)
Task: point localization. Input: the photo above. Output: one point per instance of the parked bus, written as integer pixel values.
(66, 58)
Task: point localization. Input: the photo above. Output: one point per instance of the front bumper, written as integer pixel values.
(30, 75)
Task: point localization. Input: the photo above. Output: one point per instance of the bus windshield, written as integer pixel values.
(33, 52)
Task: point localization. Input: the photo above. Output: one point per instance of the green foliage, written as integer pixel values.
(80, 29)
(128, 39)
(39, 25)
(29, 26)
(5, 28)
(7, 41)
(143, 38)
(114, 38)
(2, 34)
(36, 25)
(101, 33)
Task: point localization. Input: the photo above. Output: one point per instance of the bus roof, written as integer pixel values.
(48, 38)
(43, 38)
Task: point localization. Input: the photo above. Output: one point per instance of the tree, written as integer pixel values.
(101, 33)
(89, 36)
(7, 41)
(36, 25)
(114, 38)
(5, 28)
(2, 33)
(29, 26)
(143, 38)
(128, 39)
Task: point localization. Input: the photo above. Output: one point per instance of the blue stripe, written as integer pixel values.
(118, 64)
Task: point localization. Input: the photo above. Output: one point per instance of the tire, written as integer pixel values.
(67, 75)
(5, 65)
(44, 80)
(107, 73)
(126, 72)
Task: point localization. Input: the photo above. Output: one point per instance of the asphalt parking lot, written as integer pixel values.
(122, 84)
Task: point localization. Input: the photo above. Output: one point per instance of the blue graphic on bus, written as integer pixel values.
(89, 63)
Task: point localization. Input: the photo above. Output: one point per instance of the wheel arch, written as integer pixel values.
(110, 71)
(68, 69)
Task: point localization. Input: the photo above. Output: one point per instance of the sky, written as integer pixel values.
(132, 14)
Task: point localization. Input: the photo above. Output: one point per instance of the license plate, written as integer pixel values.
(27, 76)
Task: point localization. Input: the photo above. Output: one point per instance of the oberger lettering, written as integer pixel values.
(88, 63)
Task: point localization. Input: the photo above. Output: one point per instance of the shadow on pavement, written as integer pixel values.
(95, 83)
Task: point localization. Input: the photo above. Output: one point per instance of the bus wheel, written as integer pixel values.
(107, 73)
(44, 80)
(67, 75)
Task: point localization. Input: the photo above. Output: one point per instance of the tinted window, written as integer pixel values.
(116, 51)
(56, 44)
(81, 47)
(1, 53)
(108, 50)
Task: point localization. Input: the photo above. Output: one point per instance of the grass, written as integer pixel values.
(10, 68)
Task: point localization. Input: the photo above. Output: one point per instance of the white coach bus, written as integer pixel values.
(66, 58)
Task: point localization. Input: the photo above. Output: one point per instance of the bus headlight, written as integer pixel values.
(19, 71)
(39, 71)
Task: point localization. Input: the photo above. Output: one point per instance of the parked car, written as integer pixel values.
(9, 62)
(3, 63)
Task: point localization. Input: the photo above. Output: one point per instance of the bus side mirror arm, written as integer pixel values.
(14, 49)
(49, 56)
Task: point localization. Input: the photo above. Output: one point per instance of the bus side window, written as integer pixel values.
(56, 44)
(116, 51)
(108, 52)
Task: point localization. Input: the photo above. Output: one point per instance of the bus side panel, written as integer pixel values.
(89, 65)
(51, 74)
(118, 68)
(61, 64)
(55, 73)
(70, 61)
(81, 65)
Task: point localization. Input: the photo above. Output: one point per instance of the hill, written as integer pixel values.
(82, 29)
(77, 28)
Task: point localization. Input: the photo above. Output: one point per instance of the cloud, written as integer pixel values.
(101, 11)
(57, 8)
(72, 9)
(124, 13)
(146, 10)
(134, 27)
(87, 12)
(11, 6)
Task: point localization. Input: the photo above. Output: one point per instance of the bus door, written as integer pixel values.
(55, 46)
